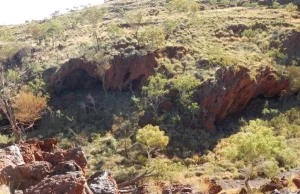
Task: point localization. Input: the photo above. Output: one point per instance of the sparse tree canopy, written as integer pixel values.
(291, 8)
(114, 31)
(183, 6)
(152, 138)
(185, 85)
(169, 26)
(255, 143)
(153, 38)
(134, 20)
(20, 109)
(155, 91)
(94, 16)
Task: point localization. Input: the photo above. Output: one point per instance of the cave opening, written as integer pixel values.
(137, 83)
(79, 80)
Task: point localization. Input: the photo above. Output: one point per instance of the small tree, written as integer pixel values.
(12, 105)
(291, 8)
(93, 16)
(250, 34)
(28, 108)
(134, 20)
(186, 85)
(254, 144)
(169, 26)
(152, 138)
(183, 6)
(153, 38)
(114, 31)
(55, 31)
(37, 32)
(155, 91)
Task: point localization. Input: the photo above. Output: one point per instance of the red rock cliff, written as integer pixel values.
(233, 90)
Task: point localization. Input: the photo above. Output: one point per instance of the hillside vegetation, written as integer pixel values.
(184, 89)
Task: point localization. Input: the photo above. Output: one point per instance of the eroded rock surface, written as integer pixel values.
(37, 167)
(233, 90)
(68, 184)
(10, 155)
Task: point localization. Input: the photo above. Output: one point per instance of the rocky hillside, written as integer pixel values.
(184, 89)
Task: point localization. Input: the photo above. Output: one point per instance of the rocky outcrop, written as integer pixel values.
(133, 70)
(122, 73)
(34, 150)
(26, 175)
(37, 167)
(232, 91)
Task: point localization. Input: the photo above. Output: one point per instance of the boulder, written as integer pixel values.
(65, 167)
(274, 184)
(25, 175)
(100, 183)
(10, 156)
(214, 188)
(73, 183)
(36, 167)
(34, 150)
(296, 181)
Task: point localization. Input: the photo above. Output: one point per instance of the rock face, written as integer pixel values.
(99, 183)
(233, 90)
(36, 167)
(122, 73)
(134, 70)
(230, 93)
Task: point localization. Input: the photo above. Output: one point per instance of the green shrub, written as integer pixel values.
(217, 56)
(254, 143)
(238, 176)
(165, 169)
(270, 168)
(275, 5)
(249, 33)
(4, 139)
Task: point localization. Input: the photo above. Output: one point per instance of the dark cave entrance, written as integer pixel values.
(137, 83)
(78, 80)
